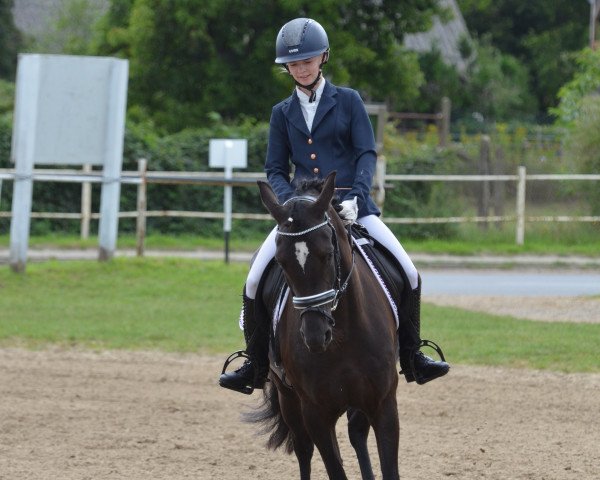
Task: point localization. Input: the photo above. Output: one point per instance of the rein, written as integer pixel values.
(314, 302)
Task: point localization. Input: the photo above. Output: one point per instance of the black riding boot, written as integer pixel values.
(253, 373)
(414, 364)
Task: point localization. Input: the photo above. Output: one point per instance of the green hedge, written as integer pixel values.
(405, 153)
(184, 151)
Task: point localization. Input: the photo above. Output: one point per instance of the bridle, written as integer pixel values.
(318, 301)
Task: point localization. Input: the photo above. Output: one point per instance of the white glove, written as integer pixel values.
(349, 211)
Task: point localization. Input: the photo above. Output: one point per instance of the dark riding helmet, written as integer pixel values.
(300, 39)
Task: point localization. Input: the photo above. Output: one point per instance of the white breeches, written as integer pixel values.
(378, 230)
(263, 257)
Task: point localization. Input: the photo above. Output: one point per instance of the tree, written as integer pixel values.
(584, 83)
(497, 85)
(539, 33)
(579, 112)
(190, 58)
(10, 41)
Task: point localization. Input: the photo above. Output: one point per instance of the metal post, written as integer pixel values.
(23, 140)
(86, 204)
(111, 184)
(140, 230)
(520, 236)
(227, 207)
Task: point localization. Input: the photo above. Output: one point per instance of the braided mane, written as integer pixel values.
(315, 186)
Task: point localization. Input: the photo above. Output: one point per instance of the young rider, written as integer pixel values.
(321, 128)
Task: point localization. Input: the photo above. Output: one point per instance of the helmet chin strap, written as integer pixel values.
(313, 93)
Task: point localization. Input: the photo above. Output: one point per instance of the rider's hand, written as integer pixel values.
(349, 211)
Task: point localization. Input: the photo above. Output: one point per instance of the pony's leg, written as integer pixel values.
(303, 445)
(321, 428)
(358, 432)
(387, 432)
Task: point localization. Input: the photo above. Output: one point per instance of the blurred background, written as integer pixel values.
(468, 87)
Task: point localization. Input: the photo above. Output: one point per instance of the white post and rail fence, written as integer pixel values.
(142, 177)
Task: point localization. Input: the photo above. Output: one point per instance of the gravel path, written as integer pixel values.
(545, 309)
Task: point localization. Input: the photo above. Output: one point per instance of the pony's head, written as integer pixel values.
(309, 254)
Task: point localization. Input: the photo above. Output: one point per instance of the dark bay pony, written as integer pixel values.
(337, 340)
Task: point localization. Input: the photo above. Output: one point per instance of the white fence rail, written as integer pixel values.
(142, 177)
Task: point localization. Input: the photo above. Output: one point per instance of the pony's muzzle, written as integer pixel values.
(316, 329)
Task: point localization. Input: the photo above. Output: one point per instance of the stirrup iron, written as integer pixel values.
(413, 353)
(231, 358)
(435, 346)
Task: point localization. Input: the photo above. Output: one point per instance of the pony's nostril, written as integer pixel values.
(327, 337)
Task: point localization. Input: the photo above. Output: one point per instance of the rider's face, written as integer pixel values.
(305, 71)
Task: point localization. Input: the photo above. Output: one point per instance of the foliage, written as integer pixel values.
(440, 80)
(10, 41)
(418, 199)
(192, 58)
(579, 111)
(585, 82)
(494, 87)
(7, 95)
(584, 145)
(5, 139)
(497, 85)
(183, 151)
(538, 148)
(538, 33)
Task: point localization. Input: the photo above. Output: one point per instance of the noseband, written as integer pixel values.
(317, 301)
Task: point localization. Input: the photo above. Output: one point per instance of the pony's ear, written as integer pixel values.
(269, 200)
(326, 194)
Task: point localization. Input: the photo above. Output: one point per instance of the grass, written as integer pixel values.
(155, 241)
(192, 306)
(542, 239)
(479, 339)
(166, 304)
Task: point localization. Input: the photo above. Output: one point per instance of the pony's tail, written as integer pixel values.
(268, 414)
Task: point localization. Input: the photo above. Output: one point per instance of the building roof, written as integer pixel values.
(33, 17)
(445, 37)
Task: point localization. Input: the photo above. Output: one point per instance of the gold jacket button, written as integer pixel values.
(313, 156)
(315, 170)
(310, 141)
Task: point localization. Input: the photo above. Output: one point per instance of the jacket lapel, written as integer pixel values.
(326, 103)
(293, 112)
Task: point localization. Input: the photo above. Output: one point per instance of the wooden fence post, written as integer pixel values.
(483, 206)
(520, 235)
(444, 130)
(379, 193)
(140, 231)
(498, 188)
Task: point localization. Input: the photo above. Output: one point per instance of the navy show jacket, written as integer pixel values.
(341, 139)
